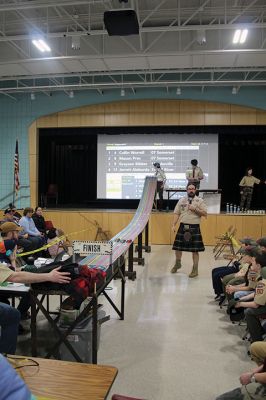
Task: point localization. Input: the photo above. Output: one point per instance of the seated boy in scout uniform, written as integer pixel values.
(262, 243)
(222, 275)
(240, 277)
(258, 352)
(253, 275)
(255, 303)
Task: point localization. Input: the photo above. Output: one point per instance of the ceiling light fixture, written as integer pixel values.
(178, 91)
(71, 94)
(123, 92)
(41, 45)
(32, 96)
(240, 36)
(75, 44)
(243, 36)
(234, 90)
(201, 37)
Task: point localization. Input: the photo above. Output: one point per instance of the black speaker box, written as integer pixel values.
(121, 22)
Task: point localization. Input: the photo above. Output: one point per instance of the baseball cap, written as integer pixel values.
(9, 227)
(262, 241)
(250, 251)
(248, 241)
(7, 211)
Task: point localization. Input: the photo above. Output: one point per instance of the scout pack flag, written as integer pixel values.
(16, 170)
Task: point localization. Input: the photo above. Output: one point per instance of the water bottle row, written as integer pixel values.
(233, 208)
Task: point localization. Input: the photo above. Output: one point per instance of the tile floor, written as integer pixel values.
(175, 343)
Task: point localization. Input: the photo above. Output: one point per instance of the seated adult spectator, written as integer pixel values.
(8, 247)
(253, 386)
(14, 210)
(9, 317)
(9, 233)
(23, 240)
(39, 220)
(11, 215)
(25, 244)
(29, 228)
(8, 216)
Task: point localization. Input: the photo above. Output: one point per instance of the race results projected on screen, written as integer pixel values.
(124, 161)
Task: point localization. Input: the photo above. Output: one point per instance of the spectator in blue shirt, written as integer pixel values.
(29, 228)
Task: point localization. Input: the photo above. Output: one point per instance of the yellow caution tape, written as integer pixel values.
(52, 243)
(57, 240)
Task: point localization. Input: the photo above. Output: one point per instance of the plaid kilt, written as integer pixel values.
(195, 243)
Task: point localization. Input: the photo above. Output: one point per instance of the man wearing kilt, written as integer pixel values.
(188, 213)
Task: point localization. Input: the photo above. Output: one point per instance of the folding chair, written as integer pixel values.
(100, 233)
(228, 242)
(222, 237)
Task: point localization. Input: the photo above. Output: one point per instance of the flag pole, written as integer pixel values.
(16, 173)
(14, 189)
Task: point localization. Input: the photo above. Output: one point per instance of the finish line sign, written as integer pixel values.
(85, 248)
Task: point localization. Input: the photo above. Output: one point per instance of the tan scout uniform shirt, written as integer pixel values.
(244, 267)
(198, 174)
(5, 273)
(253, 277)
(249, 181)
(188, 216)
(260, 293)
(160, 175)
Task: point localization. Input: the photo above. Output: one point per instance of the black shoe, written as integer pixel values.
(22, 331)
(221, 300)
(25, 317)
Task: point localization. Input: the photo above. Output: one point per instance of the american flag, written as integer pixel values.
(16, 170)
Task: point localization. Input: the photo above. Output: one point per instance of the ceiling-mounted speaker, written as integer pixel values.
(122, 22)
